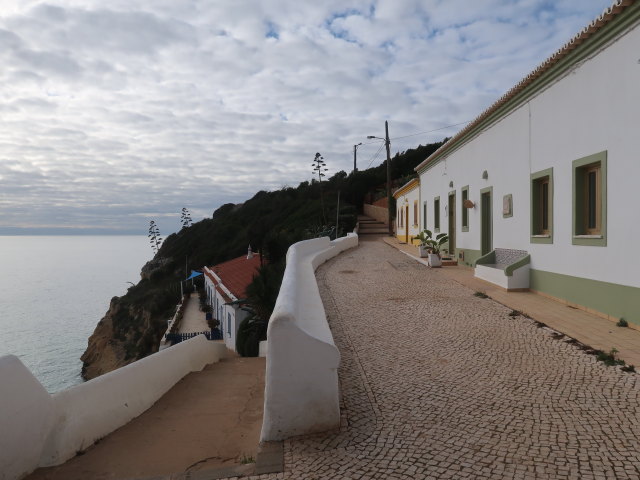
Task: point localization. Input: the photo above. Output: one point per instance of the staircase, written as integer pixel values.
(369, 226)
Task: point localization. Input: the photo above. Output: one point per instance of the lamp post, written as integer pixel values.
(355, 152)
(388, 145)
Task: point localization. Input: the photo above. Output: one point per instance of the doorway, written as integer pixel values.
(406, 223)
(451, 214)
(486, 221)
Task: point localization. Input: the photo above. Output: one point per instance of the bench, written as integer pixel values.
(508, 268)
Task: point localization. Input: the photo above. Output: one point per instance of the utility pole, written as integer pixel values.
(388, 144)
(355, 153)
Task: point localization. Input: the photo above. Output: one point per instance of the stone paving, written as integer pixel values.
(437, 383)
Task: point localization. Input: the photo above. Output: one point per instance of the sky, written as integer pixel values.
(116, 113)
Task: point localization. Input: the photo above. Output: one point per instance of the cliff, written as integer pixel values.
(270, 221)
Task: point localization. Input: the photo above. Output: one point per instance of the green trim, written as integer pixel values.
(618, 301)
(577, 206)
(586, 49)
(436, 214)
(424, 215)
(509, 269)
(534, 207)
(464, 217)
(486, 237)
(510, 197)
(487, 259)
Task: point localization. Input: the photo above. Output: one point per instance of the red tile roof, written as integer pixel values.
(237, 274)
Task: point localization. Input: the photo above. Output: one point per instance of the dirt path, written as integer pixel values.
(207, 420)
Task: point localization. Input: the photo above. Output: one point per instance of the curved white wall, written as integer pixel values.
(39, 430)
(301, 390)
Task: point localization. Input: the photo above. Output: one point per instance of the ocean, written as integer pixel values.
(53, 292)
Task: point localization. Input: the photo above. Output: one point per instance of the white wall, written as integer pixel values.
(39, 430)
(301, 390)
(404, 200)
(589, 110)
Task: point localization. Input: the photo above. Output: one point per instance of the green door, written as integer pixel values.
(486, 233)
(451, 210)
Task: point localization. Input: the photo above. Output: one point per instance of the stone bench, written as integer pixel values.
(505, 267)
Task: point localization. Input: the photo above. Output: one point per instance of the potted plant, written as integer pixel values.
(423, 248)
(432, 246)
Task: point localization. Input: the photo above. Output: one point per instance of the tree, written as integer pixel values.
(185, 218)
(154, 236)
(319, 167)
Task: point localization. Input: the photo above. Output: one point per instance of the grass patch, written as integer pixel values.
(622, 323)
(609, 359)
(481, 295)
(515, 313)
(246, 459)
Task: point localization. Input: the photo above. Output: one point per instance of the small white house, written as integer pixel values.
(539, 188)
(408, 211)
(226, 284)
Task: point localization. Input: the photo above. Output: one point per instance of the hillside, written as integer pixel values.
(270, 221)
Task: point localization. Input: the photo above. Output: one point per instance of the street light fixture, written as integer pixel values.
(387, 143)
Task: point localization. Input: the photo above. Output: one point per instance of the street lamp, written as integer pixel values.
(355, 151)
(387, 144)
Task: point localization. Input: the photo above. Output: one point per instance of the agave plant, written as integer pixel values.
(433, 244)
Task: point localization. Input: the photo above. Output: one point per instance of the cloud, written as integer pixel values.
(115, 113)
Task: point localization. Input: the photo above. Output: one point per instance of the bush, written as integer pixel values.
(250, 332)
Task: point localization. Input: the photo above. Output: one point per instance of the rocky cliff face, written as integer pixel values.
(132, 327)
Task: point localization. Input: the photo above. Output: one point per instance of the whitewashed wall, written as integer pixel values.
(39, 430)
(589, 110)
(301, 390)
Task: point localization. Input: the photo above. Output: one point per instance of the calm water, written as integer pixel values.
(53, 292)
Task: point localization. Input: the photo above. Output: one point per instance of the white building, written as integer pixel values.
(226, 284)
(408, 211)
(551, 168)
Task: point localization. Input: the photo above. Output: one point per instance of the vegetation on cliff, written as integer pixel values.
(269, 222)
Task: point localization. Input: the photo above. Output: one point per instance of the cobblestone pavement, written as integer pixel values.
(437, 383)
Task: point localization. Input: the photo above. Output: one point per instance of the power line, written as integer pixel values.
(375, 156)
(431, 131)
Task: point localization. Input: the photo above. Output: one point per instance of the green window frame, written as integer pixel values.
(436, 214)
(589, 200)
(542, 206)
(424, 215)
(464, 195)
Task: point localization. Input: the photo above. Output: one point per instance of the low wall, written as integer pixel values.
(301, 383)
(40, 430)
(378, 213)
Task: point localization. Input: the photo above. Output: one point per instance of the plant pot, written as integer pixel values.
(424, 251)
(434, 260)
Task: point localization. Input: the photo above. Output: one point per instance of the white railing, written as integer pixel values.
(38, 429)
(301, 383)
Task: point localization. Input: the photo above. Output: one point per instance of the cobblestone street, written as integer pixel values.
(438, 383)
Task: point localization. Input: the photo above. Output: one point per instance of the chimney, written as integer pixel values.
(249, 253)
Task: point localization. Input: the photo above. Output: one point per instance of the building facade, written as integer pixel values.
(550, 169)
(408, 211)
(226, 284)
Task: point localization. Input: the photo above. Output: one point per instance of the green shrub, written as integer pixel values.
(622, 323)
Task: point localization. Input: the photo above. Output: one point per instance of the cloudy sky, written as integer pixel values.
(113, 113)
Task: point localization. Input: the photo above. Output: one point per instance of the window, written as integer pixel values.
(542, 206)
(465, 210)
(436, 214)
(590, 200)
(228, 324)
(424, 215)
(415, 213)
